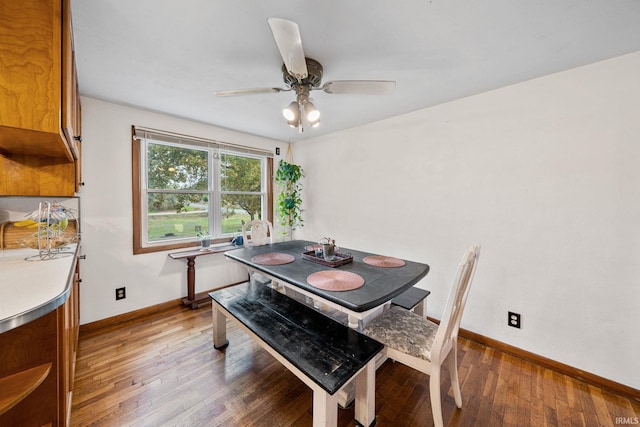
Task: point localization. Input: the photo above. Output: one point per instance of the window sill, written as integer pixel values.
(169, 247)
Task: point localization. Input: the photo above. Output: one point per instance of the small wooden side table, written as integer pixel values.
(192, 299)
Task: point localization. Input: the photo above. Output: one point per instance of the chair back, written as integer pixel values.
(261, 232)
(447, 332)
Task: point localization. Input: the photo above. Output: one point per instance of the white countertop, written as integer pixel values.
(31, 288)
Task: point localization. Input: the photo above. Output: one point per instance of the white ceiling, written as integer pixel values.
(171, 56)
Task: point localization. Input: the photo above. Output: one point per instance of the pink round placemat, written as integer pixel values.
(383, 261)
(273, 258)
(335, 280)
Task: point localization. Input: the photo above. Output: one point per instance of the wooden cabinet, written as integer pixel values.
(40, 140)
(37, 366)
(69, 323)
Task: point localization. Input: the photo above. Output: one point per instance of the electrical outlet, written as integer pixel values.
(514, 320)
(121, 293)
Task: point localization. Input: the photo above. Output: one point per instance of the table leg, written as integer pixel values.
(192, 299)
(365, 405)
(419, 309)
(219, 327)
(325, 409)
(355, 323)
(191, 278)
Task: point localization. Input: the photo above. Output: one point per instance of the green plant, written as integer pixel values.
(205, 239)
(289, 201)
(203, 235)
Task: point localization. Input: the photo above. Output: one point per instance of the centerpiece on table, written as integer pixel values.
(326, 253)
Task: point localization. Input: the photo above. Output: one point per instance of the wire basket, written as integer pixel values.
(51, 238)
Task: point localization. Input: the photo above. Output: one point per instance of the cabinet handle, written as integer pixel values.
(78, 138)
(82, 257)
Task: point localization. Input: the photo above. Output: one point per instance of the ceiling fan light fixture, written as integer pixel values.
(302, 75)
(311, 113)
(292, 112)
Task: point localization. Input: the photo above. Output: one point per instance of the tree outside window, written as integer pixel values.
(241, 188)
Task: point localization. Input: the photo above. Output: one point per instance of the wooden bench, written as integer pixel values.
(321, 352)
(413, 299)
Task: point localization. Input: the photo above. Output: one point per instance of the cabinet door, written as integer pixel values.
(70, 96)
(37, 80)
(71, 110)
(69, 323)
(31, 65)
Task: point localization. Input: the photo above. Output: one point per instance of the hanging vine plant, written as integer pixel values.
(289, 201)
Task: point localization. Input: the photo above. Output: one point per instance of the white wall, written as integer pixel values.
(544, 174)
(106, 211)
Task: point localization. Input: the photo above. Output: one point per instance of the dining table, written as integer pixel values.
(359, 288)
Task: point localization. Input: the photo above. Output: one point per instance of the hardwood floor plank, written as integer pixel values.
(473, 382)
(162, 370)
(511, 372)
(523, 411)
(563, 414)
(602, 411)
(488, 392)
(549, 391)
(537, 417)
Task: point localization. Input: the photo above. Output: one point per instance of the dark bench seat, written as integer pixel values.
(412, 299)
(323, 353)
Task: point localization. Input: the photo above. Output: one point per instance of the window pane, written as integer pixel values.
(173, 216)
(238, 209)
(239, 173)
(176, 168)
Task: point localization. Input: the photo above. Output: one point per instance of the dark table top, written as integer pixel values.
(381, 284)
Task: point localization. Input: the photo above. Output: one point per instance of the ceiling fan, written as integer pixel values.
(302, 75)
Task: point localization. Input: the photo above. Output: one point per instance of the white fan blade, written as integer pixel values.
(360, 87)
(287, 36)
(250, 91)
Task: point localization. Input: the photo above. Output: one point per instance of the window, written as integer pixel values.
(185, 186)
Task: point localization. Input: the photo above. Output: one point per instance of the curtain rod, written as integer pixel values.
(141, 132)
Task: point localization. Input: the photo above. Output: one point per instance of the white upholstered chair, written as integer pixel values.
(261, 232)
(423, 345)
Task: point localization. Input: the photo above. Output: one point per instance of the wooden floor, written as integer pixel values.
(163, 371)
